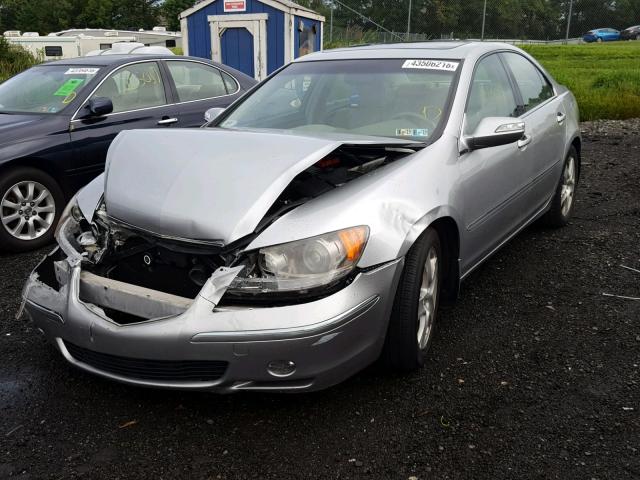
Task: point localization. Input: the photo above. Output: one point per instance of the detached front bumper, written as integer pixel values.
(220, 349)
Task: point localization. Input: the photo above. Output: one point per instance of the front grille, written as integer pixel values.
(161, 370)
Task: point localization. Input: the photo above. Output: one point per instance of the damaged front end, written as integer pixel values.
(145, 307)
(133, 275)
(129, 276)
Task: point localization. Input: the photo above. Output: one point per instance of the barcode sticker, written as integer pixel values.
(431, 65)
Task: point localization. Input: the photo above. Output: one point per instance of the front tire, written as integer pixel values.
(413, 317)
(30, 206)
(564, 198)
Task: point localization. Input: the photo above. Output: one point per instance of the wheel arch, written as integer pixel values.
(446, 226)
(38, 163)
(577, 144)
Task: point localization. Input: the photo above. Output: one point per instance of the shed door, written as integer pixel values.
(236, 45)
(240, 41)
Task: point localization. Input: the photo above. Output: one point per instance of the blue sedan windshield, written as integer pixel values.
(404, 98)
(44, 89)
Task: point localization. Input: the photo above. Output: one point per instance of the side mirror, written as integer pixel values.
(495, 131)
(212, 114)
(97, 107)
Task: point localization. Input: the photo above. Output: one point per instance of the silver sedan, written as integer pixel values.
(312, 227)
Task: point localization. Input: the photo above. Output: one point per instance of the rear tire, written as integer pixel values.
(414, 313)
(31, 202)
(564, 199)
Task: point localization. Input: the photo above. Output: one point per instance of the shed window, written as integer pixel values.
(307, 40)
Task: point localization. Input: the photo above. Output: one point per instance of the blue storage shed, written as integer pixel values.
(253, 36)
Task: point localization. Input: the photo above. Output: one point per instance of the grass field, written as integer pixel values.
(605, 78)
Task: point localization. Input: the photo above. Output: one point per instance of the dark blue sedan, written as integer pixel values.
(58, 119)
(601, 35)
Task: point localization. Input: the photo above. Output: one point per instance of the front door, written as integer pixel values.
(494, 179)
(140, 100)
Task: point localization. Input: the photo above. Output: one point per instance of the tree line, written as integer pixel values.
(46, 16)
(536, 19)
(533, 19)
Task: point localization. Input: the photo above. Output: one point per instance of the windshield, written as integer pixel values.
(44, 89)
(390, 98)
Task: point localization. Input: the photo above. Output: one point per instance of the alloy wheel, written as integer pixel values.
(27, 210)
(568, 186)
(428, 297)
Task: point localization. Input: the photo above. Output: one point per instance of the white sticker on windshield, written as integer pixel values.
(82, 71)
(431, 65)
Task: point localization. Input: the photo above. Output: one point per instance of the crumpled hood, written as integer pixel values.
(208, 185)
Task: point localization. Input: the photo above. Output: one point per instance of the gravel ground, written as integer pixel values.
(533, 374)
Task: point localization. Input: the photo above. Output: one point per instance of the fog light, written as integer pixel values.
(281, 368)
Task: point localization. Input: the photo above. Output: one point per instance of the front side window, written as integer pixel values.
(491, 94)
(134, 87)
(44, 89)
(195, 81)
(534, 88)
(389, 98)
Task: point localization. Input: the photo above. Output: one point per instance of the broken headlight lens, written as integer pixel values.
(70, 215)
(304, 264)
(69, 230)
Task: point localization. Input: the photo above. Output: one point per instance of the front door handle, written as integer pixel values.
(167, 121)
(524, 141)
(560, 117)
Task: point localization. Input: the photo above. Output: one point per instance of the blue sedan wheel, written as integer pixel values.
(30, 204)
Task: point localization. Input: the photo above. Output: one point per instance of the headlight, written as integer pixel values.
(71, 213)
(304, 264)
(68, 229)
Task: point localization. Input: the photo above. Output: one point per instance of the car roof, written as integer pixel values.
(450, 50)
(108, 60)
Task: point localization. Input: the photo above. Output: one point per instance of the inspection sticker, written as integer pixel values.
(68, 87)
(82, 71)
(412, 132)
(431, 65)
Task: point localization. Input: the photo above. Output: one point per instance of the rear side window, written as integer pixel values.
(534, 88)
(491, 94)
(230, 83)
(196, 81)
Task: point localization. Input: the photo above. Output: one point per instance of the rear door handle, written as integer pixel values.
(560, 117)
(524, 141)
(167, 121)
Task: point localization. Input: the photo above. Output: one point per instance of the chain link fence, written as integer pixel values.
(352, 22)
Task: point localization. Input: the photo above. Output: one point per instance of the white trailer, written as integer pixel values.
(48, 48)
(53, 47)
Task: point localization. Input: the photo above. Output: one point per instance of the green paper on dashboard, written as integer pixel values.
(68, 87)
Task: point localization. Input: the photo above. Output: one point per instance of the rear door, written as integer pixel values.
(198, 87)
(140, 100)
(544, 115)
